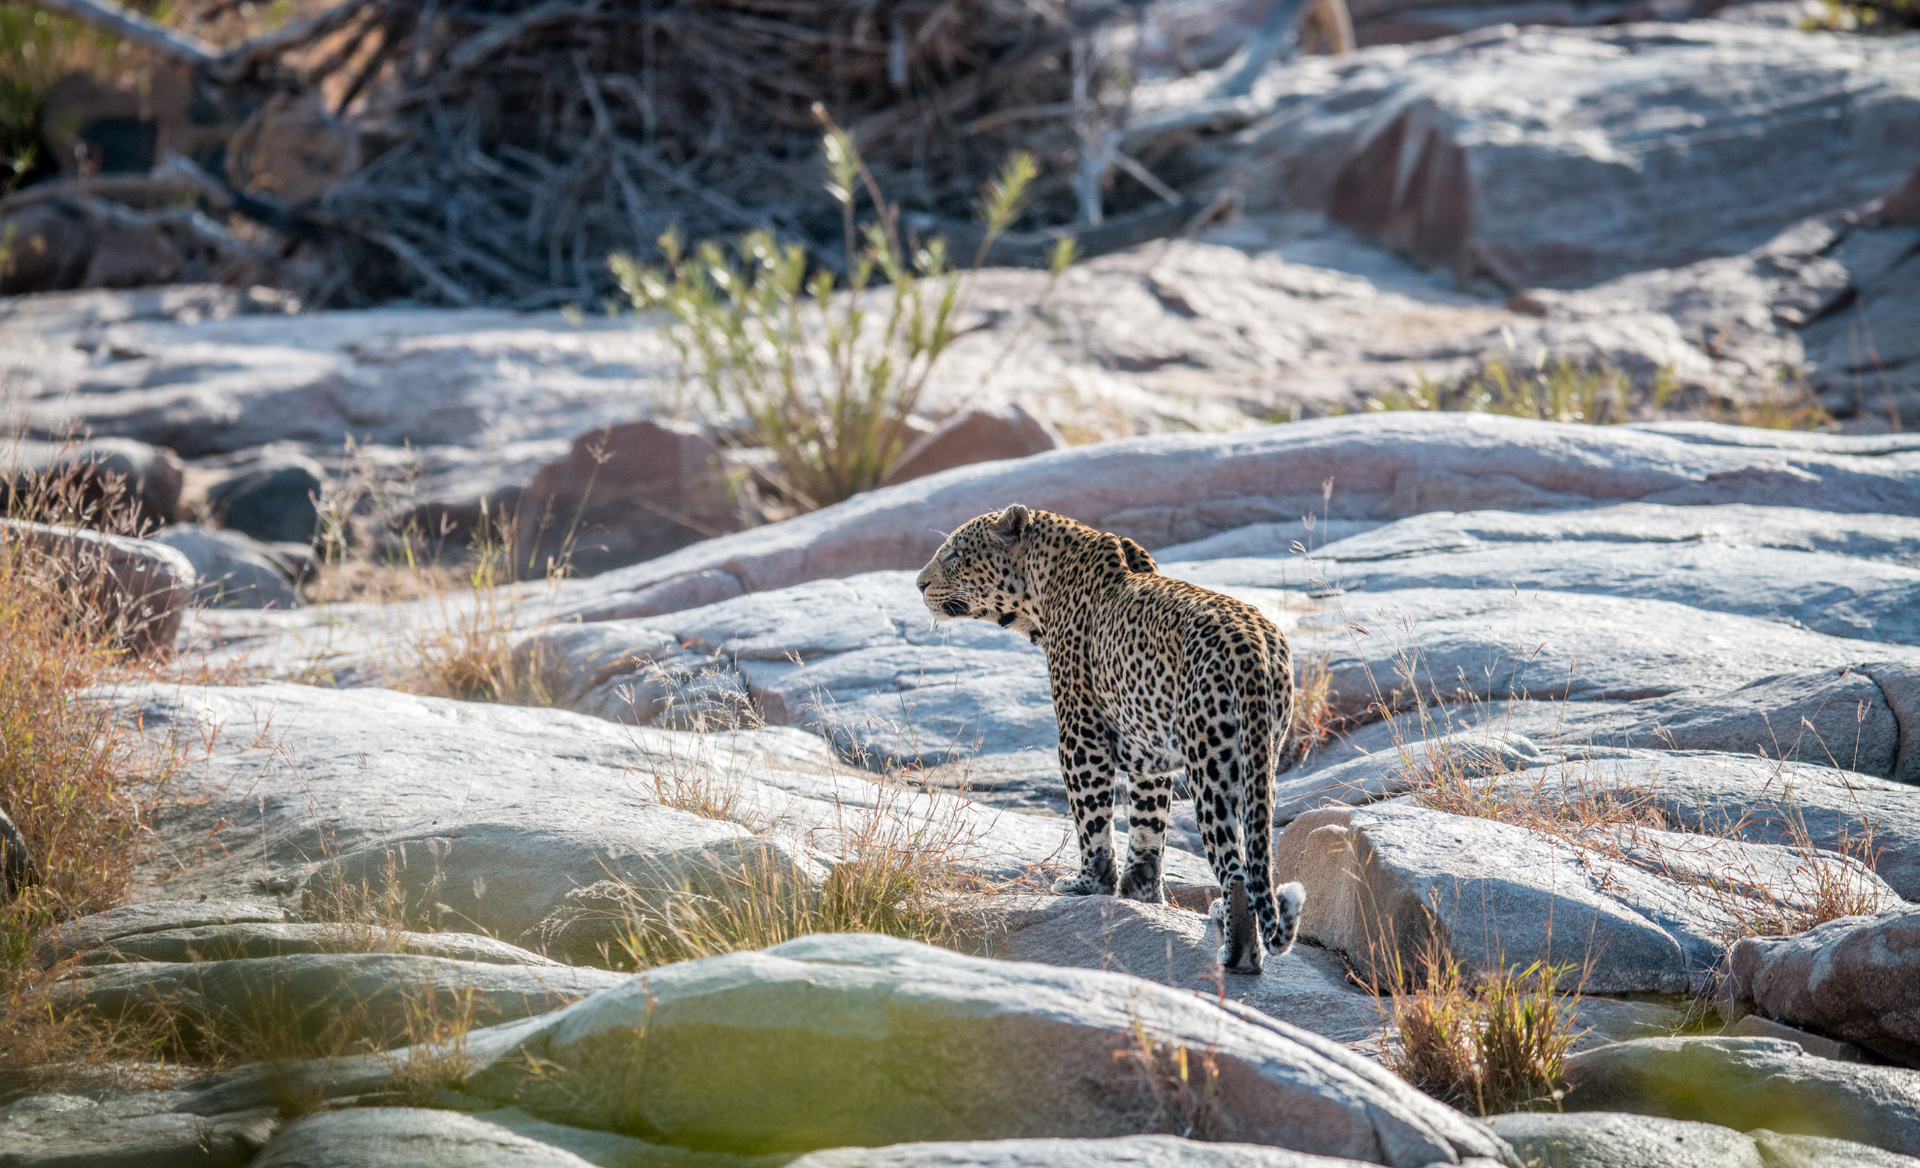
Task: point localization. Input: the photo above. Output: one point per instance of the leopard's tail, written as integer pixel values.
(1278, 908)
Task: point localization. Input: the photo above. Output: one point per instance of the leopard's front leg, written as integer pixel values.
(1086, 764)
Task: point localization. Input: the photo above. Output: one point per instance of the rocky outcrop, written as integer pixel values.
(1409, 147)
(276, 501)
(728, 1050)
(1598, 1139)
(1175, 488)
(1856, 979)
(623, 494)
(480, 817)
(976, 436)
(1748, 1084)
(1619, 908)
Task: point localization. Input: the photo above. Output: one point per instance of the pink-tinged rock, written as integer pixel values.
(976, 436)
(1857, 979)
(1902, 208)
(1170, 488)
(623, 494)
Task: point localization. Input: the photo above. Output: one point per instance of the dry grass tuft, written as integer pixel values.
(80, 785)
(1596, 393)
(1490, 1048)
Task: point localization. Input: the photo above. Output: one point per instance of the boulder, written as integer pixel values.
(234, 569)
(1409, 147)
(104, 930)
(1626, 910)
(624, 493)
(409, 1137)
(335, 1001)
(131, 254)
(925, 1044)
(1599, 1139)
(1856, 979)
(1791, 804)
(112, 473)
(1131, 1151)
(129, 1128)
(1175, 488)
(1173, 946)
(1750, 1083)
(976, 436)
(1902, 207)
(138, 588)
(49, 246)
(276, 502)
(1862, 357)
(1754, 1026)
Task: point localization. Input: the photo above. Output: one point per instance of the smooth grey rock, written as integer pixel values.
(1580, 192)
(1599, 1139)
(102, 929)
(1838, 592)
(1792, 804)
(1822, 1152)
(612, 1150)
(1754, 1026)
(497, 813)
(1749, 1083)
(234, 569)
(1639, 911)
(337, 999)
(1131, 1151)
(931, 1045)
(407, 1137)
(1857, 978)
(128, 1129)
(1900, 685)
(231, 942)
(1173, 946)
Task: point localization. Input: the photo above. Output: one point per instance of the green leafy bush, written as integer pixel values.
(822, 368)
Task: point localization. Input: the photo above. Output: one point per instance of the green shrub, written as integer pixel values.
(822, 369)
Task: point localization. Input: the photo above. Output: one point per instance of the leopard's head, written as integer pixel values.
(980, 573)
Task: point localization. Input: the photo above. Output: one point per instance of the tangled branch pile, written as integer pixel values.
(513, 149)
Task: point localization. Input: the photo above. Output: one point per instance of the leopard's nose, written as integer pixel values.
(923, 584)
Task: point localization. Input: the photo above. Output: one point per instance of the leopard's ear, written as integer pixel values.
(1138, 558)
(1012, 522)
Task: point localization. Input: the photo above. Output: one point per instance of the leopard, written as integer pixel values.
(1152, 676)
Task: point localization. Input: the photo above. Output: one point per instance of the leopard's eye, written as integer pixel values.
(953, 554)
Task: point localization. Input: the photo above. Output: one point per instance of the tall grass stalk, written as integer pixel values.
(79, 782)
(822, 369)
